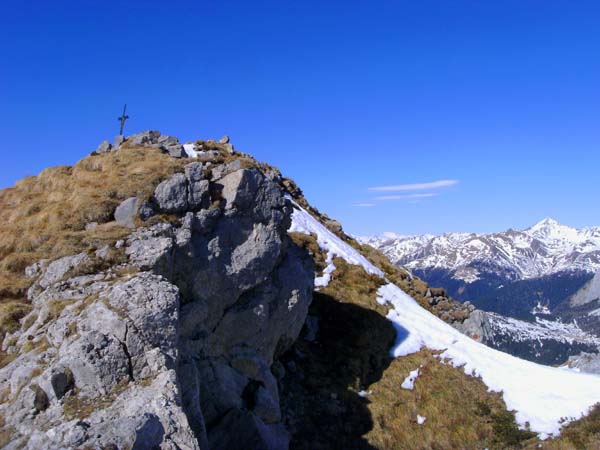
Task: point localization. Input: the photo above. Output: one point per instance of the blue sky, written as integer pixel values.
(498, 100)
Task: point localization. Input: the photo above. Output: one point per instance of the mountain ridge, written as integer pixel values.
(153, 300)
(544, 248)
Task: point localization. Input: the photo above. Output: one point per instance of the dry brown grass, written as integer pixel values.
(459, 410)
(352, 284)
(45, 216)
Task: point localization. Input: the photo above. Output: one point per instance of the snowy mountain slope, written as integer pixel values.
(543, 249)
(542, 396)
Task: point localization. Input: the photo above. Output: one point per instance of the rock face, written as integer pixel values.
(172, 349)
(585, 362)
(542, 341)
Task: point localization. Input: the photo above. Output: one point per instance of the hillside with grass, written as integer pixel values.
(169, 295)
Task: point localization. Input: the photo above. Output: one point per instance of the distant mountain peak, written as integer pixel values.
(546, 222)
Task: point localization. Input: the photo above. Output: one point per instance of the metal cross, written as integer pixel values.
(122, 119)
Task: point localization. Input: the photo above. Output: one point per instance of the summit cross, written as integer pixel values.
(122, 119)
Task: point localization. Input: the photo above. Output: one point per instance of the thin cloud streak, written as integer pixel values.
(406, 196)
(363, 205)
(416, 186)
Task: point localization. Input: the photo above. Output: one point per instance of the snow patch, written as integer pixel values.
(190, 150)
(541, 395)
(303, 222)
(420, 419)
(409, 381)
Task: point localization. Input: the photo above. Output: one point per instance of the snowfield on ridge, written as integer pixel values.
(543, 397)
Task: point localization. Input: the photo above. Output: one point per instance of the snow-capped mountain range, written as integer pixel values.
(546, 248)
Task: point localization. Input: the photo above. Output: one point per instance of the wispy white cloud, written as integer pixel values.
(364, 205)
(415, 186)
(406, 196)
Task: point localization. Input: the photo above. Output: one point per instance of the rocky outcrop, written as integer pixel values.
(585, 362)
(104, 147)
(151, 138)
(173, 346)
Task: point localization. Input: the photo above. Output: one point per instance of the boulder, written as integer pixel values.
(146, 211)
(175, 151)
(334, 226)
(198, 192)
(171, 195)
(239, 187)
(126, 212)
(180, 192)
(104, 147)
(144, 138)
(57, 269)
(118, 141)
(221, 170)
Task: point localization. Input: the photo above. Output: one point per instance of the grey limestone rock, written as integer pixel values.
(221, 170)
(171, 195)
(174, 348)
(149, 248)
(585, 362)
(183, 191)
(476, 326)
(145, 138)
(127, 211)
(57, 269)
(198, 192)
(104, 147)
(118, 141)
(175, 151)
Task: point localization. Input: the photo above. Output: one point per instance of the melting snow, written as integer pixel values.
(409, 381)
(189, 149)
(541, 396)
(303, 222)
